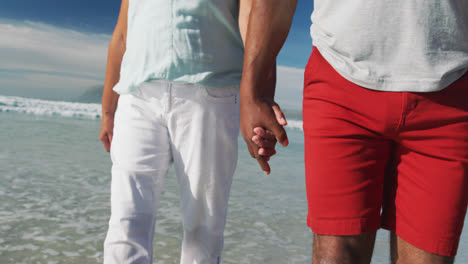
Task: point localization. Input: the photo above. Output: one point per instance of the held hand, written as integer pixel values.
(106, 133)
(264, 114)
(266, 142)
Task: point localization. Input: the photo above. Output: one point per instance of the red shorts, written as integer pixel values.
(396, 160)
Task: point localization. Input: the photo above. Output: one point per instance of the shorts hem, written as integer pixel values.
(443, 247)
(346, 227)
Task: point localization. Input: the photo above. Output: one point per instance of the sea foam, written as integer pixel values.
(17, 104)
(294, 124)
(52, 108)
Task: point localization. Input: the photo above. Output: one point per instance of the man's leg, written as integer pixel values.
(426, 204)
(403, 252)
(347, 149)
(204, 127)
(355, 249)
(141, 156)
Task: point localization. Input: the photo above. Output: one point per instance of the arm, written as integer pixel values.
(264, 26)
(245, 7)
(114, 60)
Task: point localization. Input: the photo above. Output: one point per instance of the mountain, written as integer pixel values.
(92, 95)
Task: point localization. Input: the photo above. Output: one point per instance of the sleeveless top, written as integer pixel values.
(196, 41)
(398, 45)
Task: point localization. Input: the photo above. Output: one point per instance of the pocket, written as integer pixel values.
(123, 102)
(221, 95)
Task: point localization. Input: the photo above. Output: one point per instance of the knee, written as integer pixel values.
(204, 241)
(134, 225)
(355, 249)
(404, 252)
(133, 232)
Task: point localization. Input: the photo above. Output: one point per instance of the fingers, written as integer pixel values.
(106, 142)
(105, 134)
(266, 134)
(261, 125)
(266, 152)
(264, 165)
(254, 153)
(251, 151)
(262, 160)
(259, 131)
(264, 143)
(264, 138)
(279, 115)
(280, 134)
(275, 129)
(279, 131)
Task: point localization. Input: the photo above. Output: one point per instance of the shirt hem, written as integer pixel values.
(132, 88)
(389, 85)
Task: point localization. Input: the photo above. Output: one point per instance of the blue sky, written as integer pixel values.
(57, 48)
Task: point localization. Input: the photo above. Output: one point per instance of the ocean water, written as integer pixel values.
(54, 195)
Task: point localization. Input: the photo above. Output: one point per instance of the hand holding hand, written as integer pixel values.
(262, 124)
(266, 142)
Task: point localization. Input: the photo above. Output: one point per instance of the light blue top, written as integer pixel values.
(193, 41)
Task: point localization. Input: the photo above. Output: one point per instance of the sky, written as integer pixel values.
(57, 49)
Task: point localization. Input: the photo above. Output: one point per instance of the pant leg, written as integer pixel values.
(141, 156)
(204, 127)
(428, 195)
(347, 146)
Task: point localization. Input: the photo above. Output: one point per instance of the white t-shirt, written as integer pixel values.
(398, 45)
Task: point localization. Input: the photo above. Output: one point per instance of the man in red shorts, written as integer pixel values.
(385, 115)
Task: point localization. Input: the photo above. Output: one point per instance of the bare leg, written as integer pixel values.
(403, 252)
(355, 249)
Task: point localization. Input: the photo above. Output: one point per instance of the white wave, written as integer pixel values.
(294, 124)
(16, 104)
(52, 108)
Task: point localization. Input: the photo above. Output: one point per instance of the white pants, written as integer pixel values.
(196, 129)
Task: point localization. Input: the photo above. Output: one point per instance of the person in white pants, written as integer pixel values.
(171, 96)
(166, 123)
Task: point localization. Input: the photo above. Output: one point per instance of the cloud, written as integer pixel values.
(36, 58)
(40, 55)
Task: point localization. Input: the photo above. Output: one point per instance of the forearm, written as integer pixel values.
(266, 30)
(115, 54)
(268, 90)
(114, 61)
